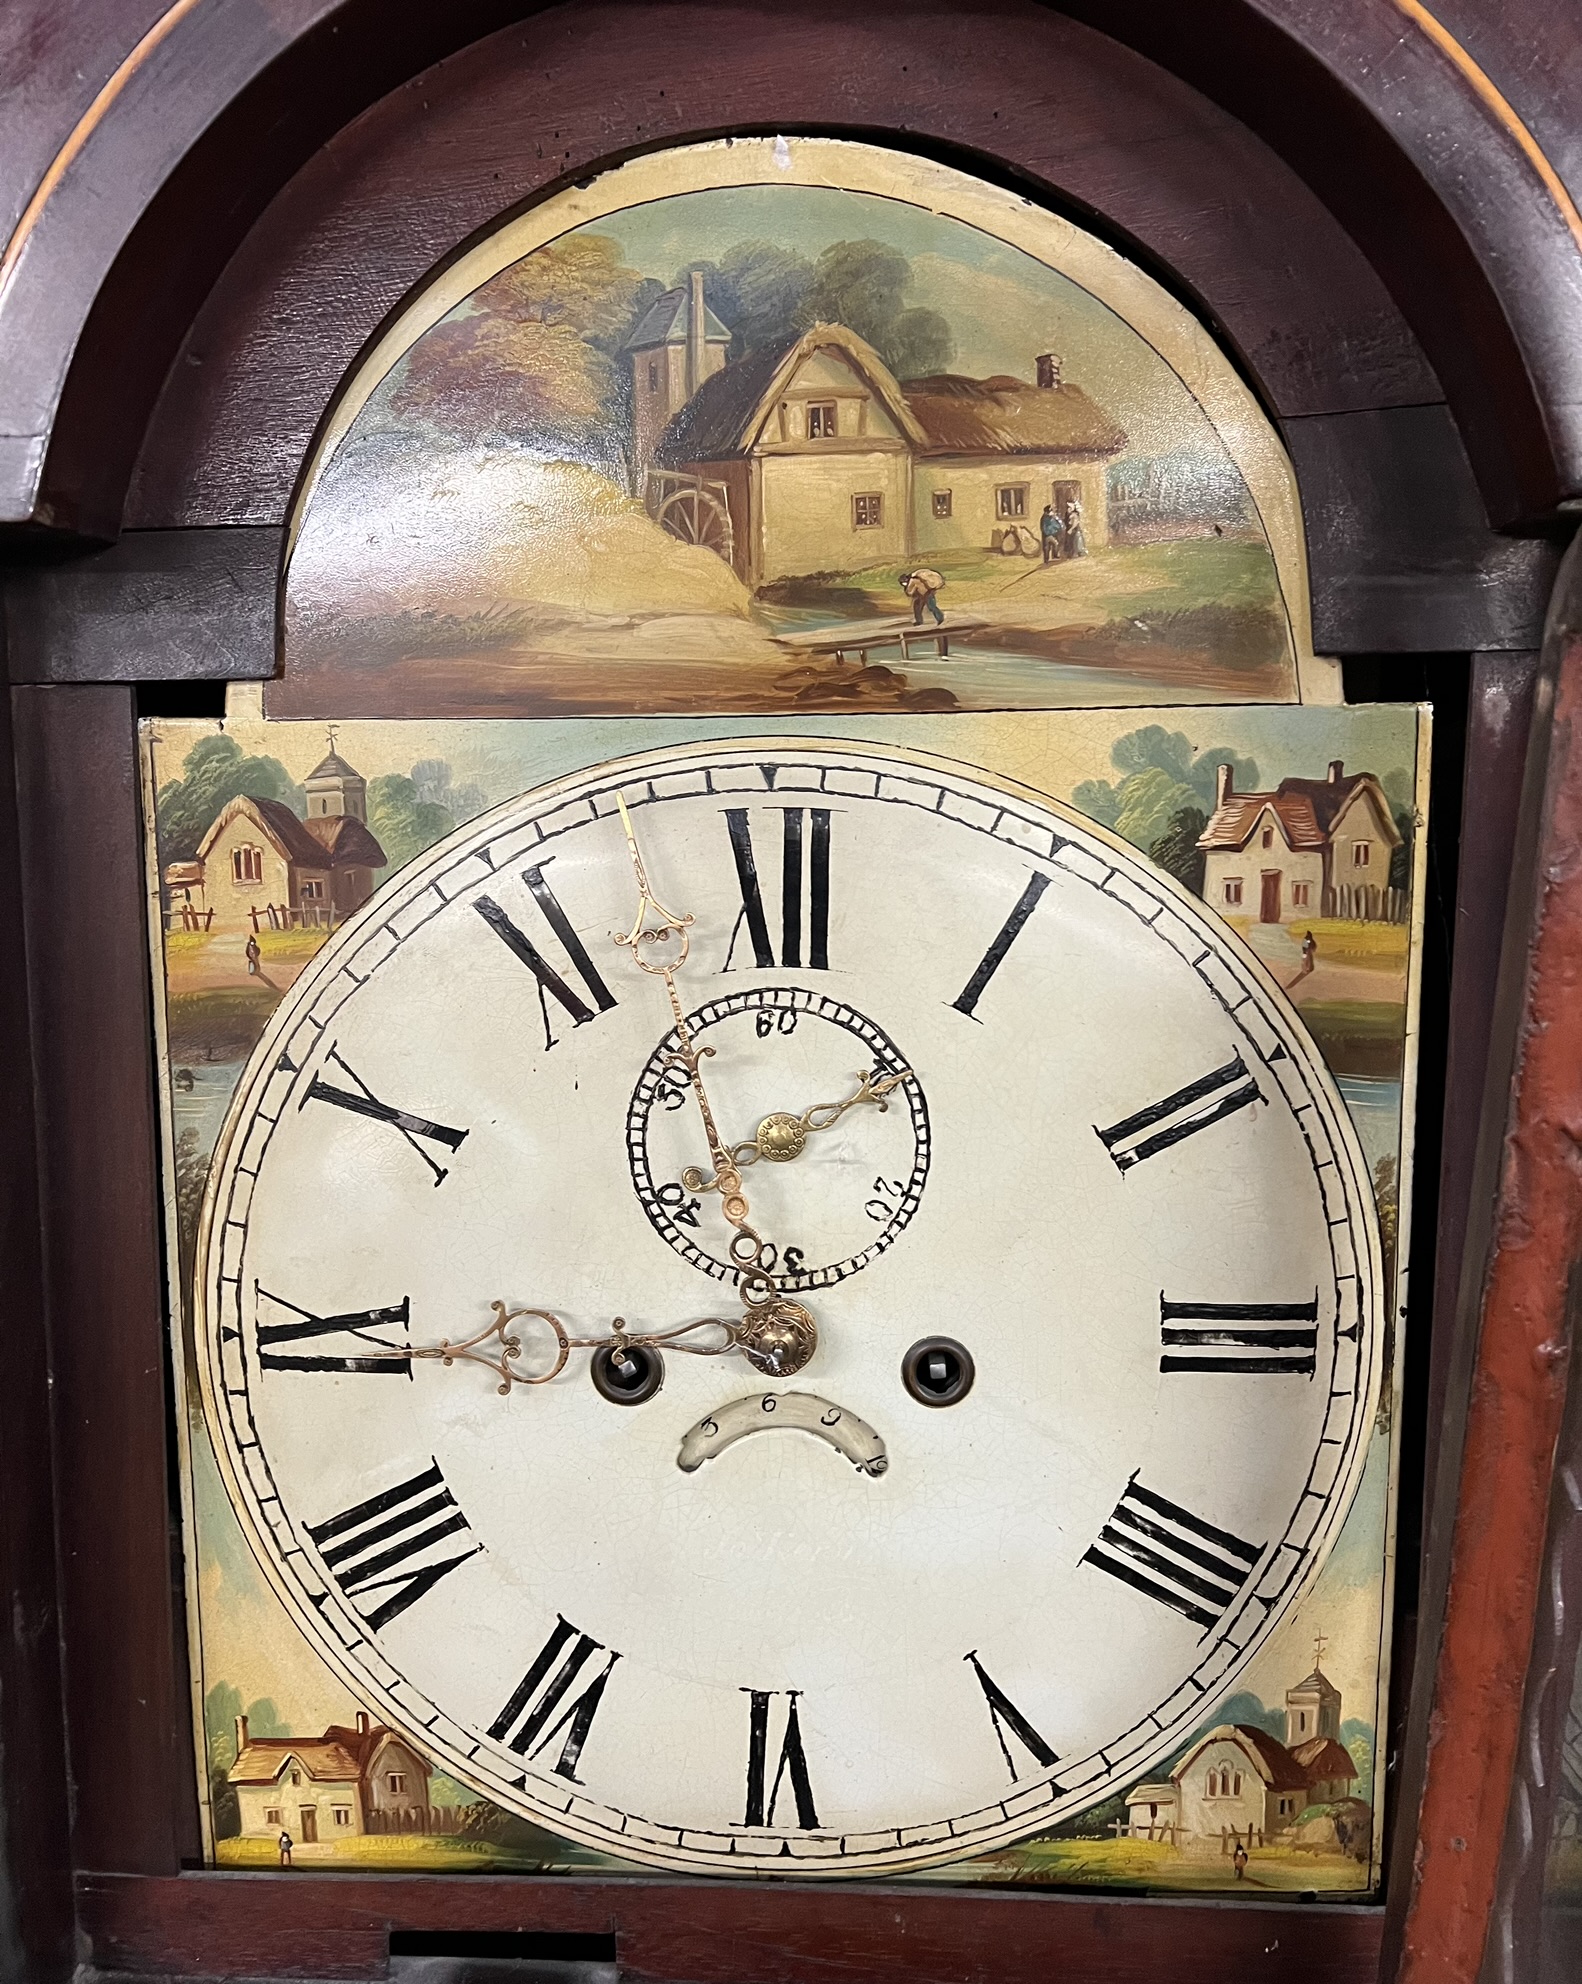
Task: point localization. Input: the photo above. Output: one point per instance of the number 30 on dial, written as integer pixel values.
(1096, 1293)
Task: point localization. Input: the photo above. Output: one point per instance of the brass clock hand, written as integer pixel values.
(498, 1345)
(773, 1328)
(781, 1137)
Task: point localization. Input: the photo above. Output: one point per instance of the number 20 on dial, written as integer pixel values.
(1063, 1238)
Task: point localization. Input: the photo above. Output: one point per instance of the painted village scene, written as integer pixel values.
(792, 446)
(1298, 826)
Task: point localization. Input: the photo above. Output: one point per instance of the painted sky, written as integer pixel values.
(1054, 750)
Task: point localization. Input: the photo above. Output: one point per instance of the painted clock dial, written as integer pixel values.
(1116, 1176)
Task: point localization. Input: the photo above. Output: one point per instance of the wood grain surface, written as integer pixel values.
(293, 1925)
(1507, 1364)
(87, 957)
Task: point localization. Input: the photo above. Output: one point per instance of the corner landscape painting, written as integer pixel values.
(792, 425)
(1302, 829)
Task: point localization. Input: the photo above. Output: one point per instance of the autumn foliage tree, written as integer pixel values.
(532, 356)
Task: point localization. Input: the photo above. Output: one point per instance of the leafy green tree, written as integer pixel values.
(215, 771)
(1401, 857)
(1165, 785)
(758, 290)
(864, 285)
(1177, 850)
(402, 821)
(1357, 1738)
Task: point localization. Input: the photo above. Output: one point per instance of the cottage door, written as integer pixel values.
(1269, 901)
(310, 1824)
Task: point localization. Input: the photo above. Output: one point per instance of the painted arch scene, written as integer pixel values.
(810, 441)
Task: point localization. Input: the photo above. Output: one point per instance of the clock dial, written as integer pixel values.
(1096, 1295)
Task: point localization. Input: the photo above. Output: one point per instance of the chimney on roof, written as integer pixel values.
(1222, 783)
(697, 319)
(241, 1734)
(1048, 363)
(1337, 767)
(362, 1722)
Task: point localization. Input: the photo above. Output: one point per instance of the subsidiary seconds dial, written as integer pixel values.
(1097, 1297)
(845, 1196)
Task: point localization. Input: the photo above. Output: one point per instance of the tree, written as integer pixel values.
(758, 290)
(532, 355)
(432, 778)
(1401, 857)
(1177, 850)
(214, 772)
(402, 821)
(864, 285)
(1166, 786)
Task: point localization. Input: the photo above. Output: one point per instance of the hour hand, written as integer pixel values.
(782, 1137)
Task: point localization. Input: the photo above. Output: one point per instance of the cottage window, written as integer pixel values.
(867, 512)
(343, 1814)
(1301, 894)
(296, 1778)
(941, 503)
(312, 891)
(1010, 500)
(1238, 1784)
(247, 864)
(821, 419)
(1268, 836)
(274, 1816)
(653, 375)
(1360, 850)
(1232, 890)
(397, 1781)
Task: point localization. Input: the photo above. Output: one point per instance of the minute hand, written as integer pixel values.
(667, 939)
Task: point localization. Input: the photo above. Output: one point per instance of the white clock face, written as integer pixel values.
(1117, 1179)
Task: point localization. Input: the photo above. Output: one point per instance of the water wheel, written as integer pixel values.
(698, 516)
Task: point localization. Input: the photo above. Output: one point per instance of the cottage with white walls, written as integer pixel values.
(1313, 847)
(809, 456)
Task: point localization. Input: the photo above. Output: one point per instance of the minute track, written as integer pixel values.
(633, 1826)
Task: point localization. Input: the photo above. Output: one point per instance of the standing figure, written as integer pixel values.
(1076, 538)
(1239, 1860)
(254, 953)
(920, 587)
(1309, 958)
(1050, 530)
(284, 1843)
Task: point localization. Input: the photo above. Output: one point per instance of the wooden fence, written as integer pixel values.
(420, 1818)
(1366, 902)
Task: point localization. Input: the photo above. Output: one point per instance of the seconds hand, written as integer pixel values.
(774, 1319)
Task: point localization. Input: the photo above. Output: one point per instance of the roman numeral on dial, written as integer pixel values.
(377, 1329)
(804, 846)
(551, 985)
(521, 1724)
(994, 956)
(384, 1545)
(360, 1100)
(1008, 1718)
(1166, 1552)
(791, 1767)
(1245, 1337)
(1208, 1100)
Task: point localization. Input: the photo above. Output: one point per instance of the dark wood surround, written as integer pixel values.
(250, 207)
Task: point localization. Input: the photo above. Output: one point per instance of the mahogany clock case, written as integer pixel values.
(1404, 567)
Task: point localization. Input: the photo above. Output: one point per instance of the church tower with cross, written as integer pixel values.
(334, 787)
(1312, 1707)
